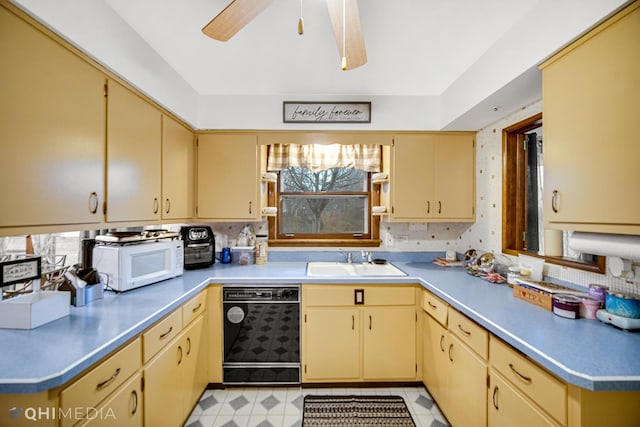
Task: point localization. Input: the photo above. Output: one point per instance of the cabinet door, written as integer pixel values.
(434, 357)
(412, 177)
(331, 344)
(122, 409)
(591, 102)
(192, 372)
(507, 407)
(178, 157)
(389, 349)
(133, 157)
(228, 177)
(454, 171)
(52, 116)
(466, 403)
(164, 389)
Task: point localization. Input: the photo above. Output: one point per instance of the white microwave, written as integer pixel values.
(131, 266)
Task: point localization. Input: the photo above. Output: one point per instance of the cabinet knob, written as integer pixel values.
(156, 205)
(439, 207)
(134, 402)
(168, 204)
(494, 398)
(554, 201)
(179, 354)
(523, 377)
(428, 206)
(464, 331)
(93, 202)
(108, 381)
(250, 207)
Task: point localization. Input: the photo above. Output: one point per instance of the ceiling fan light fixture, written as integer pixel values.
(300, 21)
(343, 63)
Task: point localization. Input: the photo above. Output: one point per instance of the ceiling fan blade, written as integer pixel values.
(355, 51)
(233, 18)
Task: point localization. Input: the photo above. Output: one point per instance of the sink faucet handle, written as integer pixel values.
(349, 257)
(366, 256)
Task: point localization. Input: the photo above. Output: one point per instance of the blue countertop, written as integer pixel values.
(586, 353)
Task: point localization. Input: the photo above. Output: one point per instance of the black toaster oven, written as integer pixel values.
(199, 246)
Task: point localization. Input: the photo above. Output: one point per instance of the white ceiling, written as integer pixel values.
(414, 47)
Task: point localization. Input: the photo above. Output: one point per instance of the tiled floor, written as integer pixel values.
(282, 406)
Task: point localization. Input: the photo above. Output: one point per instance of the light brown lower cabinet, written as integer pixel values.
(478, 380)
(347, 341)
(509, 407)
(455, 375)
(122, 409)
(169, 379)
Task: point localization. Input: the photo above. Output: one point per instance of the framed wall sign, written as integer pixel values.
(20, 270)
(326, 112)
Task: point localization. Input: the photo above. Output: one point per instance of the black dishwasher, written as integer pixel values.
(261, 334)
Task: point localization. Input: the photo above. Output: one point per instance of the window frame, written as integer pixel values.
(370, 239)
(514, 183)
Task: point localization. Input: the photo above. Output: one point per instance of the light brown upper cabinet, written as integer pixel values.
(591, 100)
(178, 157)
(52, 121)
(133, 157)
(433, 177)
(228, 177)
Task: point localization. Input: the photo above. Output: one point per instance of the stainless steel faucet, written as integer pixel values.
(366, 256)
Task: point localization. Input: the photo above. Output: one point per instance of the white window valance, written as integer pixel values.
(318, 157)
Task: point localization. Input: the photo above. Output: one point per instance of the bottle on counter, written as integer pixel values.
(262, 248)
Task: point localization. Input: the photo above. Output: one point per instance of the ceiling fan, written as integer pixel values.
(345, 20)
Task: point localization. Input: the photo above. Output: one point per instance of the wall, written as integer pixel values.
(486, 234)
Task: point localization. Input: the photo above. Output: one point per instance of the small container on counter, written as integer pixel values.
(262, 247)
(621, 304)
(243, 255)
(589, 307)
(513, 275)
(598, 292)
(225, 255)
(566, 306)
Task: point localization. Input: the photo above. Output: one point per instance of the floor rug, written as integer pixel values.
(350, 411)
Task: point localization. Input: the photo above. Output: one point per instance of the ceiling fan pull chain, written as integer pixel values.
(344, 35)
(300, 22)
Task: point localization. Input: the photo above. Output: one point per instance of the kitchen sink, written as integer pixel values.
(355, 269)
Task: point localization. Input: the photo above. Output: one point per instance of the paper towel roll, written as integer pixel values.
(553, 242)
(618, 245)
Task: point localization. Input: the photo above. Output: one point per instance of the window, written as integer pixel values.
(522, 213)
(323, 195)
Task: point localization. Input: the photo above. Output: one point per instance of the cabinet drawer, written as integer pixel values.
(475, 336)
(340, 295)
(194, 307)
(328, 295)
(122, 409)
(435, 307)
(98, 383)
(536, 383)
(161, 333)
(389, 295)
(508, 407)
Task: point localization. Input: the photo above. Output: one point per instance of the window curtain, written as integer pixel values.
(318, 157)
